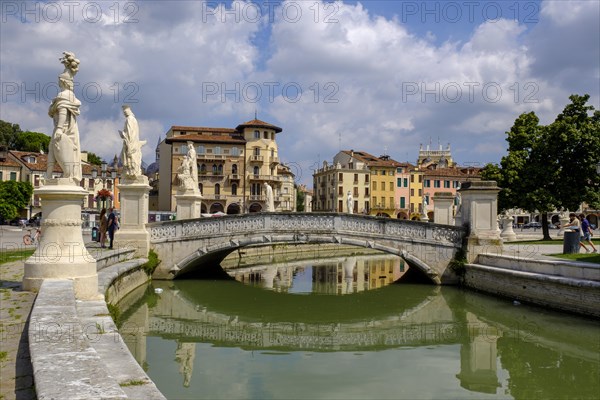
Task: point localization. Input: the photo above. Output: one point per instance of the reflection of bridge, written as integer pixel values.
(192, 243)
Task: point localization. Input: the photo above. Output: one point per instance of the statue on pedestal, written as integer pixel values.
(64, 148)
(193, 160)
(184, 174)
(131, 154)
(270, 203)
(350, 203)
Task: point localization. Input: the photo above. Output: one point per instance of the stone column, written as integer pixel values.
(134, 215)
(443, 203)
(188, 205)
(61, 253)
(479, 211)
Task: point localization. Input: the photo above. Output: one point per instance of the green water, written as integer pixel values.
(338, 330)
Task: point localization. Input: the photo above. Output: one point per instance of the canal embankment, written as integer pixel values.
(559, 284)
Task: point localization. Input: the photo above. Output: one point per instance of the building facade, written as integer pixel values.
(234, 167)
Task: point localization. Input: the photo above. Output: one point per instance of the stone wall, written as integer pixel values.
(567, 286)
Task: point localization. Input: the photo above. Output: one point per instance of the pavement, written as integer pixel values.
(16, 373)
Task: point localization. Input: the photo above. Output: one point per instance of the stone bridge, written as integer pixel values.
(187, 245)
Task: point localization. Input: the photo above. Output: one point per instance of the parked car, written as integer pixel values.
(534, 225)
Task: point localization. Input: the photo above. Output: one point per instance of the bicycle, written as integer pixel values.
(30, 238)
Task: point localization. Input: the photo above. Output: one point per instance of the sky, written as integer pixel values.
(377, 76)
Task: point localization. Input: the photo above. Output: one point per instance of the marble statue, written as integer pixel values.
(184, 174)
(131, 154)
(64, 148)
(425, 206)
(270, 203)
(350, 202)
(193, 158)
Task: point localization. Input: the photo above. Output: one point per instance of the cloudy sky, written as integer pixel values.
(377, 76)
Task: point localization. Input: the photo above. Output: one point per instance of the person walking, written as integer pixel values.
(575, 225)
(112, 226)
(103, 227)
(586, 232)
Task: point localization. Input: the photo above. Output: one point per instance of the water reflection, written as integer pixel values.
(222, 339)
(340, 275)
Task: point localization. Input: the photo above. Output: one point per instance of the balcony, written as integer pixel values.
(203, 175)
(274, 160)
(257, 198)
(213, 196)
(234, 177)
(258, 159)
(208, 157)
(266, 178)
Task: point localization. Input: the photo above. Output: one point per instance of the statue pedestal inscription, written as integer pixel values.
(134, 213)
(61, 253)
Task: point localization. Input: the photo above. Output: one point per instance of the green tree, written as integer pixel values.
(299, 199)
(31, 141)
(8, 134)
(14, 196)
(93, 158)
(550, 167)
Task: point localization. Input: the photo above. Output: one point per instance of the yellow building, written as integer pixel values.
(233, 166)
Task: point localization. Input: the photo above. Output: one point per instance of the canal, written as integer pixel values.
(356, 327)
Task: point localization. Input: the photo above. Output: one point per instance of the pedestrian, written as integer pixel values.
(575, 225)
(103, 227)
(586, 231)
(113, 225)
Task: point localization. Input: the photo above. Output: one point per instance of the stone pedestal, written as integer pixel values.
(134, 215)
(61, 253)
(479, 211)
(443, 203)
(508, 234)
(188, 205)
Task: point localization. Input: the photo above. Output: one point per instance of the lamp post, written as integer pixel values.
(598, 168)
(104, 176)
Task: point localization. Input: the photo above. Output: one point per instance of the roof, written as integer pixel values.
(452, 172)
(372, 161)
(42, 162)
(257, 123)
(202, 129)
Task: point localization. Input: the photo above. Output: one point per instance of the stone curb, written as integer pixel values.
(77, 351)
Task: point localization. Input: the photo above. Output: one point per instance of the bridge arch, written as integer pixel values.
(189, 243)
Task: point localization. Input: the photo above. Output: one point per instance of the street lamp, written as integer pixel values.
(104, 176)
(598, 168)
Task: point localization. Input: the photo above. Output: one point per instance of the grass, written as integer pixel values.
(585, 257)
(14, 255)
(132, 383)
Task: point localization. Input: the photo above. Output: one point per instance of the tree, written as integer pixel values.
(299, 199)
(8, 134)
(93, 158)
(550, 167)
(32, 141)
(14, 196)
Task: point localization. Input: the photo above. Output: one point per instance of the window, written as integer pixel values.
(214, 169)
(427, 183)
(382, 185)
(412, 192)
(391, 173)
(217, 150)
(234, 169)
(412, 179)
(203, 168)
(13, 176)
(366, 192)
(256, 171)
(220, 169)
(447, 184)
(420, 178)
(90, 201)
(427, 199)
(391, 201)
(405, 182)
(436, 183)
(265, 135)
(183, 149)
(367, 178)
(383, 202)
(399, 182)
(340, 191)
(200, 149)
(0, 175)
(235, 151)
(399, 170)
(375, 185)
(341, 177)
(201, 187)
(355, 192)
(256, 134)
(234, 189)
(402, 202)
(420, 192)
(91, 183)
(367, 209)
(257, 151)
(217, 189)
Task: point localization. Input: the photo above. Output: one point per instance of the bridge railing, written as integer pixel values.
(305, 223)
